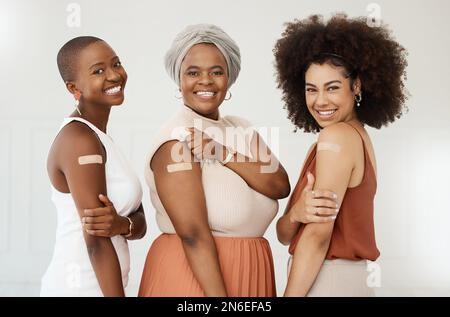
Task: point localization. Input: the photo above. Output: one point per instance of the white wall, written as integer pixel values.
(412, 203)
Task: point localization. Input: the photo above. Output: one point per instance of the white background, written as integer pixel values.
(412, 203)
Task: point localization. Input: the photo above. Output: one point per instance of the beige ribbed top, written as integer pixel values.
(234, 209)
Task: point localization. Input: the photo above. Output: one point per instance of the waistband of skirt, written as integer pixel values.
(225, 238)
(345, 262)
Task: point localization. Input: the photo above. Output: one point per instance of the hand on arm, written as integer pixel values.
(105, 222)
(263, 172)
(181, 193)
(312, 206)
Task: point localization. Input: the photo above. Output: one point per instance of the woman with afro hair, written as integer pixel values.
(336, 77)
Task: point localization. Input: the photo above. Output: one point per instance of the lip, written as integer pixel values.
(210, 94)
(115, 93)
(326, 117)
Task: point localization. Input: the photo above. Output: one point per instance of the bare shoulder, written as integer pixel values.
(173, 152)
(341, 134)
(76, 138)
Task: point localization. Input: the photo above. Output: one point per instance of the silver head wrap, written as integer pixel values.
(202, 33)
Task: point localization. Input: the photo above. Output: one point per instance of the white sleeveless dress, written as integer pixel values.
(70, 272)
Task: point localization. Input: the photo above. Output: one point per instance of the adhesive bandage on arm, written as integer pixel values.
(90, 159)
(325, 146)
(177, 167)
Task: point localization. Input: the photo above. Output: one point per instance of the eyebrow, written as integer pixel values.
(102, 63)
(326, 84)
(197, 67)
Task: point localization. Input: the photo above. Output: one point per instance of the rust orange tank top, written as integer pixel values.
(353, 235)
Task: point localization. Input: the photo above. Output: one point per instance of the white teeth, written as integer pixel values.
(114, 90)
(205, 93)
(327, 113)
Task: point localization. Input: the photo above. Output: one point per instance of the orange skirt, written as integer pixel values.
(246, 265)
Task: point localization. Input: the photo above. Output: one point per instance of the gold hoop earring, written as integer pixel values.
(231, 95)
(358, 99)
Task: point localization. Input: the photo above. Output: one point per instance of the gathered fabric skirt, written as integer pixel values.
(340, 278)
(246, 265)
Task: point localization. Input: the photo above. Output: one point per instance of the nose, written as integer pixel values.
(205, 79)
(112, 75)
(321, 99)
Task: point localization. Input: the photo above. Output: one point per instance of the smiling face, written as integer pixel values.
(204, 79)
(330, 97)
(100, 77)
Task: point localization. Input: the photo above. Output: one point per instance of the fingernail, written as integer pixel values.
(334, 217)
(337, 205)
(337, 210)
(334, 196)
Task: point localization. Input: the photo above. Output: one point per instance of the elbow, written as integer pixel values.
(283, 240)
(282, 236)
(285, 189)
(144, 227)
(191, 237)
(144, 231)
(281, 187)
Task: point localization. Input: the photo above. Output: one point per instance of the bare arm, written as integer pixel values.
(86, 182)
(333, 172)
(181, 193)
(302, 208)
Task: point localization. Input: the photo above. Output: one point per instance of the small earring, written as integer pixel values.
(178, 96)
(229, 97)
(77, 102)
(358, 99)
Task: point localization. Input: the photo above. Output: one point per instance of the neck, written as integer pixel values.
(95, 114)
(214, 115)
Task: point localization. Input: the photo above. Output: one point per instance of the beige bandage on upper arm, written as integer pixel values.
(177, 167)
(325, 146)
(90, 159)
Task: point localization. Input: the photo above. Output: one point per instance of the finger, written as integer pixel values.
(96, 226)
(104, 199)
(319, 202)
(321, 211)
(324, 211)
(323, 193)
(96, 212)
(98, 219)
(310, 184)
(98, 233)
(318, 219)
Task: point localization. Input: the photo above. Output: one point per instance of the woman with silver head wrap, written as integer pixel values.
(203, 33)
(214, 193)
